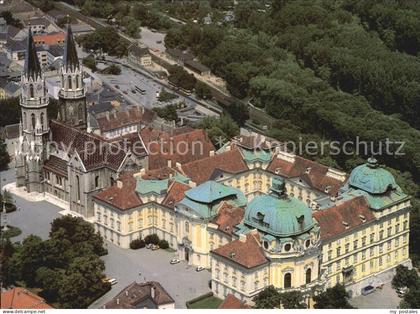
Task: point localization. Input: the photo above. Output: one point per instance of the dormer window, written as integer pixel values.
(345, 224)
(300, 219)
(308, 169)
(327, 189)
(277, 171)
(362, 218)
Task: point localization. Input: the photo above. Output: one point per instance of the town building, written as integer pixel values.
(197, 67)
(147, 295)
(57, 38)
(139, 55)
(20, 298)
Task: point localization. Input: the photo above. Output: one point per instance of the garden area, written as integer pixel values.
(206, 301)
(151, 239)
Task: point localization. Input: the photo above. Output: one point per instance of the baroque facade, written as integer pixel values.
(256, 218)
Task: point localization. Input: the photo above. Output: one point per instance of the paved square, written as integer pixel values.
(386, 298)
(182, 282)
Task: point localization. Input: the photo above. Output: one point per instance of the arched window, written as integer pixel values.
(33, 121)
(78, 188)
(77, 81)
(187, 227)
(31, 90)
(308, 275)
(62, 80)
(81, 113)
(42, 120)
(24, 120)
(96, 181)
(287, 280)
(69, 83)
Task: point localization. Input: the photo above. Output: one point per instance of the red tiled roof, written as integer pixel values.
(158, 174)
(248, 253)
(201, 170)
(175, 194)
(19, 298)
(122, 197)
(343, 217)
(309, 171)
(56, 165)
(228, 217)
(50, 39)
(130, 142)
(134, 115)
(232, 302)
(140, 292)
(93, 150)
(182, 146)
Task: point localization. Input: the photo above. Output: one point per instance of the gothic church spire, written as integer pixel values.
(32, 66)
(71, 61)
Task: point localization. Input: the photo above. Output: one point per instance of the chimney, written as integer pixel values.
(212, 153)
(169, 163)
(118, 301)
(126, 293)
(107, 115)
(120, 184)
(242, 238)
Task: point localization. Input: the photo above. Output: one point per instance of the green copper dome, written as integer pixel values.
(278, 216)
(371, 178)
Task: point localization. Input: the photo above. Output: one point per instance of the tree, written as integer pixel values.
(220, 129)
(181, 78)
(169, 113)
(90, 62)
(333, 298)
(10, 111)
(112, 69)
(4, 156)
(137, 244)
(292, 300)
(49, 279)
(405, 277)
(269, 298)
(152, 239)
(202, 90)
(10, 20)
(163, 244)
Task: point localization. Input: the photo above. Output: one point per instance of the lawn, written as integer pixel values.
(210, 302)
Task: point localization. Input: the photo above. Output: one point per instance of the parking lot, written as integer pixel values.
(385, 298)
(182, 282)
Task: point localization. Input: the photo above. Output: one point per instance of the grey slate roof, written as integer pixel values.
(11, 88)
(32, 67)
(71, 61)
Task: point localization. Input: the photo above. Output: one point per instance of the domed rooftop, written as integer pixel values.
(278, 215)
(371, 178)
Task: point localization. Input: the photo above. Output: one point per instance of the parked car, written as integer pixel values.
(112, 281)
(367, 290)
(174, 261)
(155, 247)
(149, 246)
(199, 268)
(401, 291)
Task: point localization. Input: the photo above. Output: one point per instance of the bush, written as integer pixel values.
(137, 244)
(112, 69)
(163, 244)
(152, 239)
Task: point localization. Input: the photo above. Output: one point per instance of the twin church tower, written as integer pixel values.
(34, 130)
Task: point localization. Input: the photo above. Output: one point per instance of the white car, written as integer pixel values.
(113, 281)
(199, 268)
(174, 261)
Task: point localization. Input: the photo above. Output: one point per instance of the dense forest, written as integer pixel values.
(326, 70)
